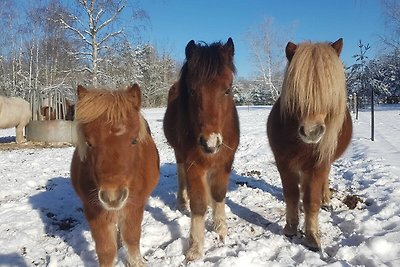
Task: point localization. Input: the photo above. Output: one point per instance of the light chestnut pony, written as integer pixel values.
(308, 128)
(15, 112)
(114, 169)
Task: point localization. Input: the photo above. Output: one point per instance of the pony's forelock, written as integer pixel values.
(117, 106)
(314, 83)
(206, 62)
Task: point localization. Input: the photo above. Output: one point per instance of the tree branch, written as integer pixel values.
(113, 17)
(67, 26)
(109, 36)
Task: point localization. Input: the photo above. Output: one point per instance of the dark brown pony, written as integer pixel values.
(201, 124)
(308, 128)
(49, 113)
(114, 169)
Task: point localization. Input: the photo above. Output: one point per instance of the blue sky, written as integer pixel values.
(174, 23)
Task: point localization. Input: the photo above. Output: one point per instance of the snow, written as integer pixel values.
(42, 223)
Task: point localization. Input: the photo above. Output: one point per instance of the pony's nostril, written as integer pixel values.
(319, 130)
(123, 194)
(103, 196)
(302, 131)
(203, 142)
(219, 142)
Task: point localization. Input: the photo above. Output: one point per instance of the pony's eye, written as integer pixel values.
(88, 144)
(191, 92)
(134, 141)
(227, 92)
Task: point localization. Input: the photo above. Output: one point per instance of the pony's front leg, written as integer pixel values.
(291, 193)
(198, 196)
(326, 193)
(182, 197)
(312, 203)
(218, 187)
(104, 234)
(19, 134)
(130, 232)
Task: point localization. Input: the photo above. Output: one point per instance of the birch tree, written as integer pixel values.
(267, 45)
(7, 46)
(91, 24)
(391, 14)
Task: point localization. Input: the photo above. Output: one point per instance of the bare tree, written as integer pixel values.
(266, 44)
(391, 9)
(91, 24)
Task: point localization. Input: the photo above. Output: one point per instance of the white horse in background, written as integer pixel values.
(15, 112)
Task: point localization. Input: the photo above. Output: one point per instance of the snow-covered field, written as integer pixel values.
(42, 223)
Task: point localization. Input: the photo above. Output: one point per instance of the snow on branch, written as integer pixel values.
(113, 17)
(67, 26)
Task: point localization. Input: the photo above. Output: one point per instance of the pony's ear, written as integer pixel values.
(82, 91)
(190, 47)
(136, 94)
(230, 46)
(338, 45)
(290, 50)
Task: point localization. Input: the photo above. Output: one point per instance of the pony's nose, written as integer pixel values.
(211, 144)
(312, 134)
(113, 199)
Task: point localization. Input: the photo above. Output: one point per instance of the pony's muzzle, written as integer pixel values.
(212, 144)
(311, 134)
(113, 199)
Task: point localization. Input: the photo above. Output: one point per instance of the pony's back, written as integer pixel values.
(14, 111)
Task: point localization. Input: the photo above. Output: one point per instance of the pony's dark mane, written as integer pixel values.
(206, 63)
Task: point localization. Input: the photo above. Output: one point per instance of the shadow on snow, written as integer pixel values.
(62, 215)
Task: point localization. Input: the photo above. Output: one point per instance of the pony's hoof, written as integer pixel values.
(183, 205)
(326, 201)
(222, 230)
(290, 230)
(193, 253)
(184, 209)
(312, 242)
(327, 207)
(135, 261)
(137, 264)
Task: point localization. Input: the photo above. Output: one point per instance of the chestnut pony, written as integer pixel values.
(201, 124)
(114, 169)
(308, 128)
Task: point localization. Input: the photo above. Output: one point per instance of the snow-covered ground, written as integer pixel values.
(42, 224)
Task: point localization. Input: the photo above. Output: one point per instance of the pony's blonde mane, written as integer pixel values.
(116, 105)
(314, 83)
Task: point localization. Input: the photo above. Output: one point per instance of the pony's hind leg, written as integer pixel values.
(182, 197)
(198, 206)
(19, 134)
(291, 193)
